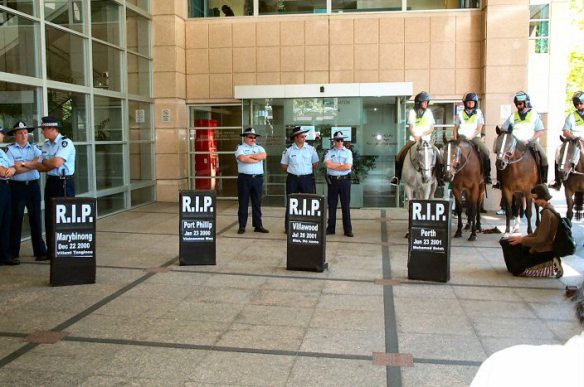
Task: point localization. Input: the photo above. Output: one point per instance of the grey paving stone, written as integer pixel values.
(286, 298)
(204, 311)
(437, 306)
(444, 347)
(438, 375)
(406, 290)
(354, 302)
(352, 342)
(275, 315)
(294, 285)
(478, 308)
(434, 324)
(348, 319)
(20, 377)
(308, 371)
(511, 327)
(353, 288)
(9, 345)
(262, 337)
(494, 344)
(481, 293)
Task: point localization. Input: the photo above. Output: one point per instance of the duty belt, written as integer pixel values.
(293, 175)
(60, 177)
(24, 182)
(343, 177)
(248, 175)
(4, 181)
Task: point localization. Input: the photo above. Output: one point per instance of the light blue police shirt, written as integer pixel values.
(21, 155)
(63, 148)
(6, 161)
(249, 168)
(299, 160)
(342, 155)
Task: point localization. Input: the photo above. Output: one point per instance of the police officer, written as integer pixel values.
(339, 161)
(527, 127)
(250, 179)
(469, 123)
(26, 192)
(58, 160)
(573, 127)
(298, 161)
(421, 127)
(6, 172)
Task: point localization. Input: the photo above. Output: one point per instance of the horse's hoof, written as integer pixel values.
(479, 229)
(467, 227)
(516, 229)
(458, 234)
(472, 238)
(407, 235)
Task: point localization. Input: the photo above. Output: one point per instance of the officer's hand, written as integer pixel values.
(10, 172)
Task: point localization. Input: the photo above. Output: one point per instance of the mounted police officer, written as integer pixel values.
(26, 192)
(469, 123)
(250, 180)
(339, 161)
(58, 161)
(573, 128)
(298, 161)
(7, 170)
(421, 127)
(527, 127)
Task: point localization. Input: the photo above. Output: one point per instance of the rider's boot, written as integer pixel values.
(543, 170)
(557, 184)
(398, 170)
(487, 169)
(497, 185)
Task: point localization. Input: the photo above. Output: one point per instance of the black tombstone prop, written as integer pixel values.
(73, 255)
(306, 233)
(429, 240)
(197, 227)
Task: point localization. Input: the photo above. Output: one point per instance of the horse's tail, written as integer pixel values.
(578, 205)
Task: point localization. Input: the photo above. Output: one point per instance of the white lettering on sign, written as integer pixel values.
(421, 213)
(74, 217)
(307, 207)
(202, 204)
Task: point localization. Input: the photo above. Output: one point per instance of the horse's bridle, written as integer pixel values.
(413, 160)
(504, 157)
(459, 156)
(576, 142)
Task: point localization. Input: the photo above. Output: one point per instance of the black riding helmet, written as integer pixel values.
(421, 97)
(522, 96)
(577, 98)
(470, 96)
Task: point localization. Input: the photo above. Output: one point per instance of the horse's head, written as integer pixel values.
(453, 158)
(424, 159)
(505, 147)
(569, 157)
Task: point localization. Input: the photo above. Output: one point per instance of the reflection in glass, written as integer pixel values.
(108, 118)
(139, 118)
(441, 4)
(141, 161)
(109, 165)
(71, 110)
(82, 162)
(65, 57)
(217, 139)
(106, 67)
(138, 75)
(19, 103)
(218, 8)
(26, 6)
(65, 13)
(366, 5)
(111, 203)
(142, 196)
(144, 4)
(137, 33)
(223, 187)
(271, 7)
(105, 21)
(18, 54)
(213, 116)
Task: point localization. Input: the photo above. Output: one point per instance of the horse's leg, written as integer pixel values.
(473, 210)
(507, 197)
(519, 205)
(528, 212)
(569, 192)
(458, 199)
(480, 200)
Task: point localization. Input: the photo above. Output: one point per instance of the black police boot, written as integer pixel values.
(557, 184)
(395, 180)
(487, 169)
(497, 185)
(543, 170)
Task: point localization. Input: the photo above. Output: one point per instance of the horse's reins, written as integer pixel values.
(502, 154)
(412, 159)
(465, 157)
(564, 157)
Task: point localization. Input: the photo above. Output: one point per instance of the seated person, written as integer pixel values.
(531, 255)
(538, 365)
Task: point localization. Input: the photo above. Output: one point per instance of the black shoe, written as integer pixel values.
(10, 262)
(555, 185)
(260, 229)
(329, 232)
(41, 258)
(241, 230)
(349, 234)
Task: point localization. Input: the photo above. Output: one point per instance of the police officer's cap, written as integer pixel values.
(338, 136)
(298, 130)
(577, 98)
(50, 122)
(250, 131)
(18, 126)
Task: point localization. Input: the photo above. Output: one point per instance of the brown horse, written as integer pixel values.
(463, 168)
(571, 167)
(519, 174)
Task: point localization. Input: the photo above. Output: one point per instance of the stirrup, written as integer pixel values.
(394, 181)
(497, 185)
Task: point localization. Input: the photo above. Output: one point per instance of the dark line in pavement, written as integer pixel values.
(16, 354)
(227, 227)
(448, 362)
(394, 378)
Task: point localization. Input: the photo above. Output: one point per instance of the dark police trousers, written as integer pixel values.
(55, 188)
(26, 194)
(298, 184)
(339, 186)
(250, 186)
(5, 220)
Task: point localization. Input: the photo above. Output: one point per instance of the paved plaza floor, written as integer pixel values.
(247, 321)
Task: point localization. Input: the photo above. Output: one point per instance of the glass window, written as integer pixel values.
(82, 162)
(65, 57)
(272, 7)
(109, 165)
(108, 119)
(105, 21)
(19, 49)
(19, 103)
(138, 75)
(111, 203)
(366, 5)
(142, 196)
(416, 5)
(144, 4)
(220, 8)
(65, 13)
(106, 67)
(539, 26)
(71, 109)
(137, 35)
(213, 116)
(26, 6)
(141, 161)
(140, 122)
